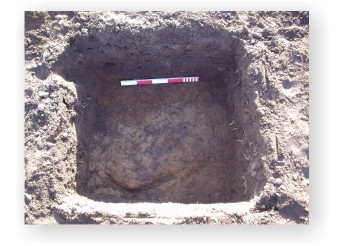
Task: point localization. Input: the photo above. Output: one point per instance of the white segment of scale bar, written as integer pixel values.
(159, 81)
(129, 82)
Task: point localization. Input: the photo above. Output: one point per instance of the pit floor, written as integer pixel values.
(158, 143)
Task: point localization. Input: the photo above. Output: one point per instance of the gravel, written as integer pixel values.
(27, 198)
(45, 55)
(278, 181)
(41, 107)
(43, 94)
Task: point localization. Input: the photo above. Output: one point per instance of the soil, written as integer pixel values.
(231, 148)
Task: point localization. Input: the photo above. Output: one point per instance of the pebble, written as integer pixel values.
(43, 94)
(41, 107)
(77, 25)
(282, 187)
(59, 17)
(57, 28)
(295, 176)
(98, 220)
(278, 181)
(264, 158)
(27, 197)
(84, 30)
(45, 55)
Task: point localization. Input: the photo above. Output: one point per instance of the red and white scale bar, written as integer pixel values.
(159, 81)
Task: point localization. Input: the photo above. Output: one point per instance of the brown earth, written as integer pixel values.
(232, 148)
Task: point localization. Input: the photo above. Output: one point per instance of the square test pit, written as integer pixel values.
(161, 143)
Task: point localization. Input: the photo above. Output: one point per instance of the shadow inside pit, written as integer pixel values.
(156, 143)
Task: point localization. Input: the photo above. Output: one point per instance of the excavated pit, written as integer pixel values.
(178, 142)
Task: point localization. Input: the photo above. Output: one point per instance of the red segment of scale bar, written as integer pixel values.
(176, 80)
(144, 82)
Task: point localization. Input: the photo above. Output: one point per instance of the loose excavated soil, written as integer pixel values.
(231, 148)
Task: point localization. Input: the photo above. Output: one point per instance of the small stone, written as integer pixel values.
(295, 176)
(57, 28)
(77, 25)
(255, 82)
(65, 135)
(41, 107)
(45, 55)
(278, 181)
(282, 187)
(43, 94)
(84, 30)
(98, 220)
(27, 198)
(59, 17)
(264, 158)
